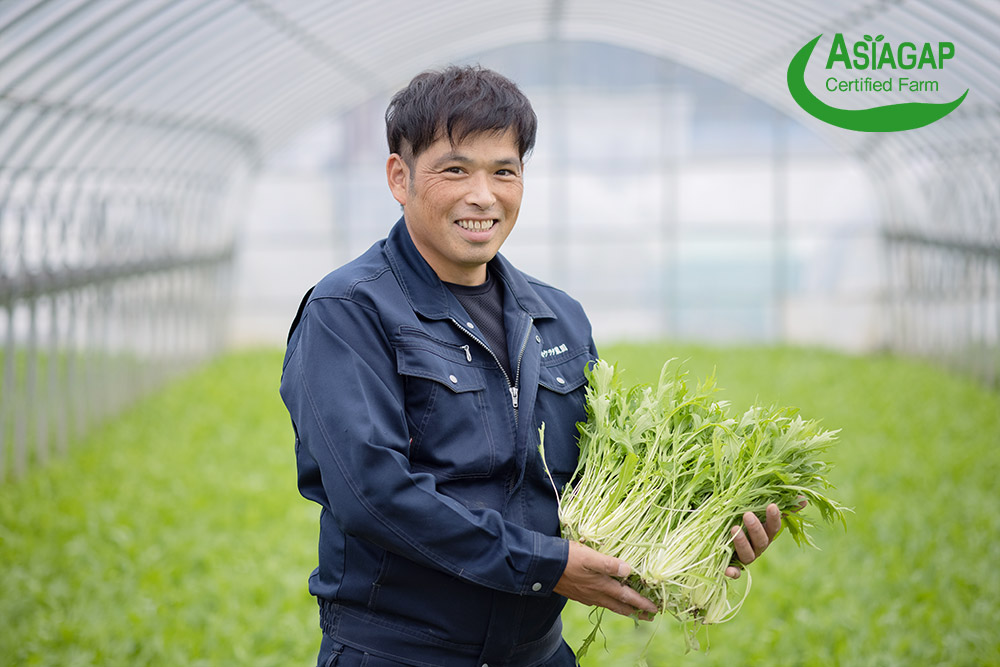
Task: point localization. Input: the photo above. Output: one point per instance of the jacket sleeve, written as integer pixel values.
(346, 402)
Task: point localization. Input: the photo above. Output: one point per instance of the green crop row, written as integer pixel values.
(174, 535)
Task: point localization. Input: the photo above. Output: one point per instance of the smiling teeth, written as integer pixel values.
(476, 225)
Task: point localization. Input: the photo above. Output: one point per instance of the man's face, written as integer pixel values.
(460, 201)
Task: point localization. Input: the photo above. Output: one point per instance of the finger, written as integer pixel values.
(756, 533)
(733, 572)
(613, 567)
(629, 611)
(627, 602)
(616, 605)
(802, 503)
(639, 603)
(744, 552)
(772, 522)
(609, 565)
(619, 568)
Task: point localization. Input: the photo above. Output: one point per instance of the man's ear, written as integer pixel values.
(397, 173)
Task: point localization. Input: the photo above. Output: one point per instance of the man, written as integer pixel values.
(417, 377)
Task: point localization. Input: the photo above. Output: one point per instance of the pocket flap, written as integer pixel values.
(565, 376)
(424, 363)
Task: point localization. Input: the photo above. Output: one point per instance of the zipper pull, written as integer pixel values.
(468, 354)
(513, 396)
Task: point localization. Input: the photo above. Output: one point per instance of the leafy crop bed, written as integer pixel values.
(175, 534)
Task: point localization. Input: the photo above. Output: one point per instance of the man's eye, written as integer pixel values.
(506, 172)
(453, 170)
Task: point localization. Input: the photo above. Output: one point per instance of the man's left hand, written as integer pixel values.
(752, 542)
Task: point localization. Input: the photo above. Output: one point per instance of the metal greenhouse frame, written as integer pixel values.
(130, 131)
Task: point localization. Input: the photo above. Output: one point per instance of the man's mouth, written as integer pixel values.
(476, 225)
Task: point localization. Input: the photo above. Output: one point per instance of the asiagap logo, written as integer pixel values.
(874, 65)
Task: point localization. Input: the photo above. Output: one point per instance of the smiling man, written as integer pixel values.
(460, 201)
(417, 377)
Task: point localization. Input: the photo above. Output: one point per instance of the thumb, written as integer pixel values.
(618, 568)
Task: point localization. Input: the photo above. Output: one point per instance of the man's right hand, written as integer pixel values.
(593, 578)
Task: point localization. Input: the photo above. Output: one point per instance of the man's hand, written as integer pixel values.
(593, 578)
(751, 544)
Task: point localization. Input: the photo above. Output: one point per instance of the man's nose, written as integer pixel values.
(480, 192)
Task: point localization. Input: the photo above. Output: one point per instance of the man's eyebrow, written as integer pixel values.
(464, 159)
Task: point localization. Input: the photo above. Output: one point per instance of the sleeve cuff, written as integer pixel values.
(550, 563)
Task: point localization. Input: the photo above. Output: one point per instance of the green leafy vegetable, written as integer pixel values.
(665, 472)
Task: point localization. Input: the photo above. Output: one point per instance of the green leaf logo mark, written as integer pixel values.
(888, 118)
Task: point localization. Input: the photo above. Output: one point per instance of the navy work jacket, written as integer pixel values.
(439, 536)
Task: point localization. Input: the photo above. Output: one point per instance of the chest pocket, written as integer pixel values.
(563, 377)
(561, 404)
(446, 410)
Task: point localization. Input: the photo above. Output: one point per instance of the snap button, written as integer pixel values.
(470, 325)
(538, 339)
(536, 587)
(454, 380)
(560, 381)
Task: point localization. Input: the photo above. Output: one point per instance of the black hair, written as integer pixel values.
(457, 102)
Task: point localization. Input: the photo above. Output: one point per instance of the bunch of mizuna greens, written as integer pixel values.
(664, 473)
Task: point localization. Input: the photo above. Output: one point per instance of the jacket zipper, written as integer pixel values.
(517, 372)
(517, 375)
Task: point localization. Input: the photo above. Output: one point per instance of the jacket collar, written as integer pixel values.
(429, 296)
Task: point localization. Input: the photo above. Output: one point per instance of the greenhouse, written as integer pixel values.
(176, 174)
